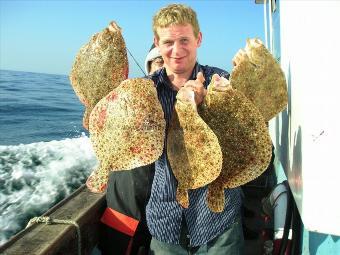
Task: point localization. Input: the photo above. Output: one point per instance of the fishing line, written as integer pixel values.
(136, 61)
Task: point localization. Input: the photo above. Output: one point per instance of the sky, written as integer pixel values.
(45, 36)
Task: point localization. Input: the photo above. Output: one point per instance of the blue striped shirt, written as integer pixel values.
(163, 213)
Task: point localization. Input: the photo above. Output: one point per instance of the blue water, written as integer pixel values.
(45, 153)
(37, 107)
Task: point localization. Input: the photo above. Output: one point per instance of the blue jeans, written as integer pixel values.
(230, 242)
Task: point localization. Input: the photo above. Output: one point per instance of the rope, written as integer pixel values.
(136, 61)
(49, 221)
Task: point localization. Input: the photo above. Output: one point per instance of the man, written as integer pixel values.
(176, 230)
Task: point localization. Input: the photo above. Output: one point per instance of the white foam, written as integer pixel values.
(34, 176)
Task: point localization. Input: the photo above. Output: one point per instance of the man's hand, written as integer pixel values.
(197, 87)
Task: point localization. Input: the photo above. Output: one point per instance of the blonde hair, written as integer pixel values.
(178, 14)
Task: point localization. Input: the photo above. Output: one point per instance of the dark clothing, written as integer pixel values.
(229, 242)
(127, 194)
(164, 214)
(128, 191)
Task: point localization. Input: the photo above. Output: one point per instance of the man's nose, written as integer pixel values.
(177, 47)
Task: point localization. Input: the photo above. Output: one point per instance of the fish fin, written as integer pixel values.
(215, 197)
(182, 197)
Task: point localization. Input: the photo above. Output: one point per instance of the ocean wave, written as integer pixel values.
(34, 177)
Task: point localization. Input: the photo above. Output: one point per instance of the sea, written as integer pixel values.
(45, 153)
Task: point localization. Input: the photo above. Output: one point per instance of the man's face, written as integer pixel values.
(178, 47)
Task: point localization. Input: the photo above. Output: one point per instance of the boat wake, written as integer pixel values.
(36, 176)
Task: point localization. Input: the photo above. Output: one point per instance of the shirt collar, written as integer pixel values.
(195, 71)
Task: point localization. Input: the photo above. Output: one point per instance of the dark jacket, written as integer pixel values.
(125, 230)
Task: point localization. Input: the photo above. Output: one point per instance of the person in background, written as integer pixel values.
(153, 60)
(174, 229)
(125, 231)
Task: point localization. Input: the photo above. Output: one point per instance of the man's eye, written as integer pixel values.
(184, 40)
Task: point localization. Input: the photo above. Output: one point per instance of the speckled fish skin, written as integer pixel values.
(260, 78)
(127, 130)
(100, 66)
(244, 139)
(193, 150)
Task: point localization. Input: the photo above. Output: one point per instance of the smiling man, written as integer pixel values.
(196, 229)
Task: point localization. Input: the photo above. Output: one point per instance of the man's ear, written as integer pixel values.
(199, 39)
(156, 41)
